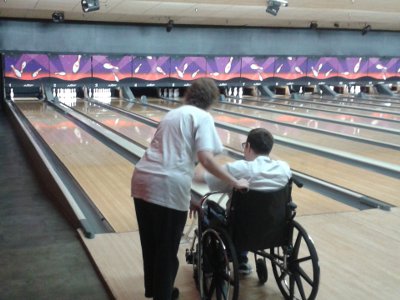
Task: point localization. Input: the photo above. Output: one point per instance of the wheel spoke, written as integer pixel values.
(303, 259)
(291, 286)
(305, 276)
(300, 286)
(296, 247)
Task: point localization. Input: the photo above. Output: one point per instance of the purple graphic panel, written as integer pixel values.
(70, 67)
(353, 67)
(112, 68)
(26, 66)
(188, 68)
(257, 68)
(290, 67)
(223, 68)
(322, 67)
(383, 68)
(151, 68)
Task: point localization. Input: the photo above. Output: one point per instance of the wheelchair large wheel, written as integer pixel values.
(218, 267)
(296, 267)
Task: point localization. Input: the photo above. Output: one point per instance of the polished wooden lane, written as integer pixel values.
(309, 202)
(326, 106)
(103, 174)
(348, 129)
(324, 113)
(371, 184)
(357, 255)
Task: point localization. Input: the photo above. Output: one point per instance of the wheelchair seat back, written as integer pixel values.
(260, 220)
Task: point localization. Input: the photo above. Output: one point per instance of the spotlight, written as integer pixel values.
(90, 5)
(273, 6)
(58, 17)
(170, 25)
(313, 25)
(366, 29)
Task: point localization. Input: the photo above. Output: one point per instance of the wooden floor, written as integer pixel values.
(359, 255)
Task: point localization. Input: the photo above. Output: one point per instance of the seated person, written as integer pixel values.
(262, 172)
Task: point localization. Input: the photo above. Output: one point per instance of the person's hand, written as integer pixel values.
(193, 210)
(241, 185)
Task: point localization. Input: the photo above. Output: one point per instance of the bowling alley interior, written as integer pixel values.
(85, 84)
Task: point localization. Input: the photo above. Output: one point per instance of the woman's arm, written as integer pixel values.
(207, 160)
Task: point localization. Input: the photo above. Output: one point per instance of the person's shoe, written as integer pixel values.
(175, 293)
(245, 269)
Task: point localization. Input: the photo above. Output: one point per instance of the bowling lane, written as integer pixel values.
(309, 202)
(326, 114)
(347, 129)
(365, 182)
(322, 106)
(372, 102)
(129, 127)
(103, 174)
(378, 107)
(335, 143)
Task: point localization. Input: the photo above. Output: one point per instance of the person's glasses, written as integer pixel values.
(244, 145)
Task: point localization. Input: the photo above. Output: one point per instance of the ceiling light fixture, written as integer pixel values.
(58, 17)
(273, 6)
(90, 5)
(170, 25)
(366, 29)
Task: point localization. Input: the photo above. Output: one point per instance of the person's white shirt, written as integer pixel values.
(263, 174)
(164, 174)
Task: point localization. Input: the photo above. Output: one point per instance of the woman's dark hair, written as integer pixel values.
(260, 140)
(202, 93)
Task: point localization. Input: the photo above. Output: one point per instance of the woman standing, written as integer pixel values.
(162, 180)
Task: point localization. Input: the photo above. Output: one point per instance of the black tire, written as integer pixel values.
(261, 268)
(218, 267)
(299, 278)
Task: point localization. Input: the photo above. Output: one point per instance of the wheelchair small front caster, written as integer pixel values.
(262, 271)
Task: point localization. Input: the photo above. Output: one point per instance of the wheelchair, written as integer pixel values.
(263, 224)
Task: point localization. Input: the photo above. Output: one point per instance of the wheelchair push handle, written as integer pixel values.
(297, 182)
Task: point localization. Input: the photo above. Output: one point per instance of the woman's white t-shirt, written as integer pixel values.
(164, 174)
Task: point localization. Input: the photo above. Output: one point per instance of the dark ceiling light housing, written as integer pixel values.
(90, 5)
(170, 25)
(58, 17)
(313, 25)
(273, 6)
(366, 29)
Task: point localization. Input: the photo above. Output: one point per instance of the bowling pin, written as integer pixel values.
(214, 74)
(16, 72)
(357, 66)
(298, 70)
(228, 65)
(138, 68)
(36, 73)
(345, 73)
(319, 68)
(60, 73)
(109, 66)
(380, 67)
(235, 91)
(116, 77)
(76, 65)
(185, 66)
(279, 68)
(260, 77)
(315, 73)
(160, 70)
(230, 92)
(290, 58)
(195, 73)
(23, 67)
(256, 67)
(149, 57)
(240, 92)
(179, 72)
(12, 94)
(329, 72)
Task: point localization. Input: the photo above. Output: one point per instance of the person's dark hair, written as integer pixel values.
(260, 140)
(202, 93)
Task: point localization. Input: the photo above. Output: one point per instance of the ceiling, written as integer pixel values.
(345, 14)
